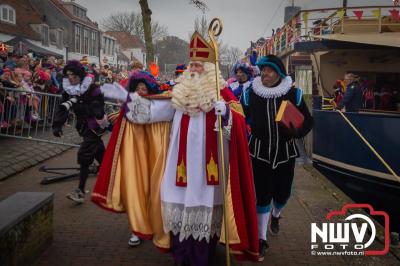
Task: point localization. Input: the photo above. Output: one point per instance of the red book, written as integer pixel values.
(289, 114)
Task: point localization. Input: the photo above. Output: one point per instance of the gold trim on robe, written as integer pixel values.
(136, 175)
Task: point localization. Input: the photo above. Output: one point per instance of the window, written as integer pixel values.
(103, 45)
(60, 39)
(94, 43)
(108, 46)
(86, 41)
(7, 14)
(77, 38)
(45, 35)
(112, 47)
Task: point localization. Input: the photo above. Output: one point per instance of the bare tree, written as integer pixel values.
(121, 21)
(132, 23)
(200, 5)
(233, 55)
(148, 39)
(172, 50)
(146, 18)
(201, 26)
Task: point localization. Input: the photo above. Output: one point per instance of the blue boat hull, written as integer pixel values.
(340, 154)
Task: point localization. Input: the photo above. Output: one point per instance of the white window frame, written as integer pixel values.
(78, 33)
(7, 10)
(93, 43)
(60, 38)
(45, 34)
(86, 41)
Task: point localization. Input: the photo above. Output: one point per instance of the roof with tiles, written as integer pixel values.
(61, 6)
(126, 40)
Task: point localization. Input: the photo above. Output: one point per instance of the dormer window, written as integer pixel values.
(79, 12)
(7, 14)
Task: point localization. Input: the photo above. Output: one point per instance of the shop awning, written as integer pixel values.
(23, 46)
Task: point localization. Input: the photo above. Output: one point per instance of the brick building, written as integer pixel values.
(23, 28)
(130, 45)
(80, 35)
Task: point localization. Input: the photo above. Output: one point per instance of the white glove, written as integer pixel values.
(103, 123)
(138, 109)
(220, 108)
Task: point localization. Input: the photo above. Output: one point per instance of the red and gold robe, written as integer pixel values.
(191, 204)
(130, 176)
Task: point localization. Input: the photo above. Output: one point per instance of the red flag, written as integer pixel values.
(358, 13)
(395, 14)
(154, 69)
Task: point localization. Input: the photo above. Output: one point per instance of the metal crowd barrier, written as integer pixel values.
(30, 115)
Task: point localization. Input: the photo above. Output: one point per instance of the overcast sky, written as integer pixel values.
(244, 20)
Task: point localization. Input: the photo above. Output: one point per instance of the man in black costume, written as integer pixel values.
(82, 96)
(272, 148)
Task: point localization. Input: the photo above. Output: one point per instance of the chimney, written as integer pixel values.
(291, 10)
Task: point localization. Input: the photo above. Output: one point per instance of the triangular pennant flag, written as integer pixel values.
(376, 13)
(395, 13)
(358, 13)
(341, 13)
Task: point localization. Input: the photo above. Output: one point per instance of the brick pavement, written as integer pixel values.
(87, 235)
(19, 154)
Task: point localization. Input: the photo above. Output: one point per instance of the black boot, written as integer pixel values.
(263, 246)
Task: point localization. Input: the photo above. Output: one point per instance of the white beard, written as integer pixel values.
(196, 93)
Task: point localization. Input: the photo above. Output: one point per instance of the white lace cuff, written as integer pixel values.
(226, 130)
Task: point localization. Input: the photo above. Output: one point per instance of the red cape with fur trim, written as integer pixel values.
(242, 184)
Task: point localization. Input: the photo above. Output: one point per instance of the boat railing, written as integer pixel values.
(313, 24)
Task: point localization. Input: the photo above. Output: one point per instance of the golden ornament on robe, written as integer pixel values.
(212, 171)
(181, 173)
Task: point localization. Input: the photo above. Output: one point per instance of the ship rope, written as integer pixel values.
(370, 146)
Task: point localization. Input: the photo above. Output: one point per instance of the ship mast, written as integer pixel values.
(345, 7)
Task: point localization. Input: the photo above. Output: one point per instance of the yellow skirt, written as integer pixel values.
(138, 174)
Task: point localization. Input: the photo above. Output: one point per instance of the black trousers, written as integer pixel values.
(273, 184)
(90, 149)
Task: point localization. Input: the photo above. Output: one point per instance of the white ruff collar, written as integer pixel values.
(274, 92)
(77, 89)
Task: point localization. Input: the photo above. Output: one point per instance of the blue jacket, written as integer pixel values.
(352, 98)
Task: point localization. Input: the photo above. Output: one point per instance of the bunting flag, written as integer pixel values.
(376, 13)
(341, 13)
(395, 14)
(305, 19)
(358, 13)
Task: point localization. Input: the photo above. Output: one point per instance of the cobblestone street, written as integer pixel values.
(87, 235)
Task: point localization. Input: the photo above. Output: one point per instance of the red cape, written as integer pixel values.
(242, 183)
(99, 195)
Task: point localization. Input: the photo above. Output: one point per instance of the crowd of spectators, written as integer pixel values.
(26, 81)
